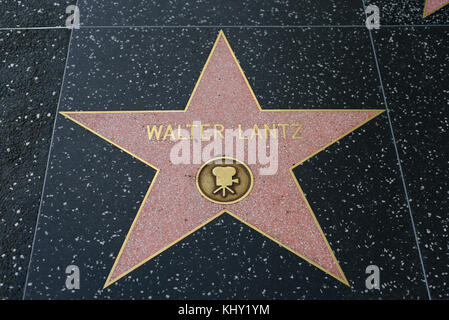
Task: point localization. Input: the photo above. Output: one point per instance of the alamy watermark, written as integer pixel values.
(373, 17)
(373, 280)
(72, 281)
(73, 20)
(197, 143)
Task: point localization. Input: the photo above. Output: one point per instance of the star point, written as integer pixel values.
(432, 6)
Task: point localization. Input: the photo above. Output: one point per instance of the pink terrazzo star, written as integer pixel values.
(173, 207)
(432, 6)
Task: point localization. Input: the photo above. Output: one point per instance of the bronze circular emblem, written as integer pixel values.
(224, 180)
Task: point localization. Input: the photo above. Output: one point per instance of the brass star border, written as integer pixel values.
(221, 34)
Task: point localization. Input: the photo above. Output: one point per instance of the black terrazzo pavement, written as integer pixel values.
(328, 68)
(32, 13)
(31, 69)
(131, 68)
(408, 12)
(220, 13)
(414, 64)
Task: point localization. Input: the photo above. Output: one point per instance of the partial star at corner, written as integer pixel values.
(432, 6)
